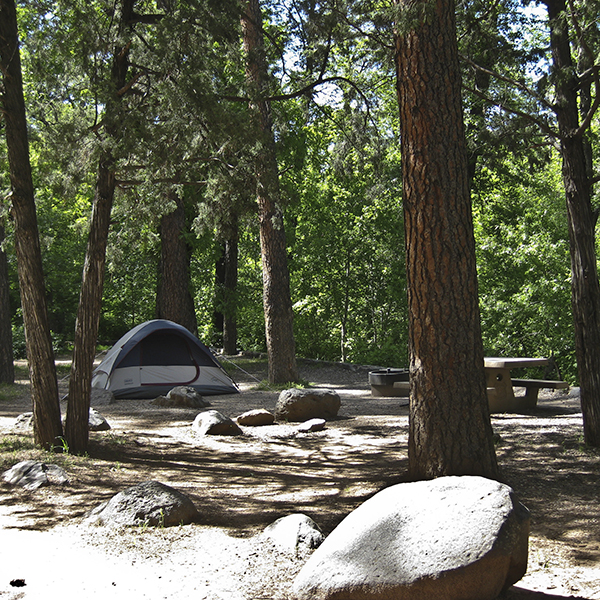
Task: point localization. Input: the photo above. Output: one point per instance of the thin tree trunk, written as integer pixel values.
(585, 286)
(276, 282)
(450, 431)
(218, 316)
(90, 299)
(7, 367)
(44, 387)
(88, 312)
(174, 301)
(230, 291)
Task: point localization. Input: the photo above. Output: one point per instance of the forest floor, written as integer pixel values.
(242, 484)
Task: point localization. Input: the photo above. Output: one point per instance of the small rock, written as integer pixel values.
(295, 533)
(312, 425)
(212, 422)
(97, 422)
(149, 503)
(303, 404)
(31, 475)
(23, 422)
(181, 397)
(257, 417)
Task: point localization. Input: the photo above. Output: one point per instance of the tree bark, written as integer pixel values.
(90, 299)
(585, 287)
(276, 281)
(174, 299)
(7, 366)
(88, 311)
(230, 291)
(44, 387)
(450, 431)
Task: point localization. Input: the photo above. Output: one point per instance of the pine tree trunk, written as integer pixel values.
(174, 300)
(585, 287)
(44, 387)
(7, 367)
(276, 282)
(450, 431)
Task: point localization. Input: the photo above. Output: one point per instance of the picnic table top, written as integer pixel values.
(513, 363)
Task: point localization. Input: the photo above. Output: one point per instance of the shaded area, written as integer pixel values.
(243, 484)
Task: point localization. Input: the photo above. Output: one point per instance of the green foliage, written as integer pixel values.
(264, 385)
(18, 339)
(347, 259)
(339, 158)
(524, 266)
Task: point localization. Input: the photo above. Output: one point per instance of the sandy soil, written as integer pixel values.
(240, 485)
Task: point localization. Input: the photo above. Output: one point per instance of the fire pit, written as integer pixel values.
(382, 382)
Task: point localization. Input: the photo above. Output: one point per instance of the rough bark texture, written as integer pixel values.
(585, 286)
(450, 431)
(276, 282)
(174, 300)
(88, 312)
(90, 299)
(44, 388)
(7, 368)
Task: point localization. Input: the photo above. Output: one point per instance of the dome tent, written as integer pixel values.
(155, 357)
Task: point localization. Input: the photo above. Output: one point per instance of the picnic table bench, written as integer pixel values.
(533, 386)
(501, 395)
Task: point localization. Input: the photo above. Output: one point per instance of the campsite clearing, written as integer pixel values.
(241, 485)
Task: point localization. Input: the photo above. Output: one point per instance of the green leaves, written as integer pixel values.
(523, 264)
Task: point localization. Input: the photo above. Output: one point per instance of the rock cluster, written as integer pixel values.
(310, 407)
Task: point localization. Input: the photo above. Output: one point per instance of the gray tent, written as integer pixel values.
(156, 356)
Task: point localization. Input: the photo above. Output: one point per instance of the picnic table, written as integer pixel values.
(501, 395)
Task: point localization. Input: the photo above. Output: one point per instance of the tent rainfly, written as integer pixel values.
(155, 357)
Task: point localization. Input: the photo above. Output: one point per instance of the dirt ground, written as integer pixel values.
(240, 485)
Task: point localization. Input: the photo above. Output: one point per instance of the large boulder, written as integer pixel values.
(453, 538)
(32, 474)
(212, 422)
(149, 503)
(303, 404)
(182, 396)
(297, 534)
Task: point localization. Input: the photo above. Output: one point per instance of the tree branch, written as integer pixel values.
(594, 72)
(510, 81)
(519, 113)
